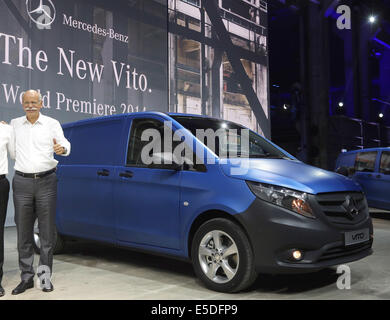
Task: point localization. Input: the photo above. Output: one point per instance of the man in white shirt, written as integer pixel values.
(34, 185)
(6, 143)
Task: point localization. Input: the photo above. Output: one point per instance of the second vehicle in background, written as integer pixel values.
(371, 169)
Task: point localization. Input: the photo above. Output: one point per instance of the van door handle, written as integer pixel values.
(104, 173)
(126, 174)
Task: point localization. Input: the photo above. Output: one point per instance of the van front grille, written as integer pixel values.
(343, 208)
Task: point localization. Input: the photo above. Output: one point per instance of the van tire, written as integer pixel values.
(208, 257)
(58, 240)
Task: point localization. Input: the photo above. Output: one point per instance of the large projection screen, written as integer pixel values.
(87, 58)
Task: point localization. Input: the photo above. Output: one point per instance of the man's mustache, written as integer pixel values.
(31, 109)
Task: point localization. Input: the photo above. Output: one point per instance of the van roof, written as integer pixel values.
(106, 118)
(367, 150)
(125, 115)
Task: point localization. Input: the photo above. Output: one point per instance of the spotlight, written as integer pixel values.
(381, 115)
(341, 104)
(286, 106)
(372, 19)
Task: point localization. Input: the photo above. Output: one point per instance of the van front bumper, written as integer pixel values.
(274, 232)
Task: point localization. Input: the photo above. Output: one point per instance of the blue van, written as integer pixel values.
(371, 169)
(233, 216)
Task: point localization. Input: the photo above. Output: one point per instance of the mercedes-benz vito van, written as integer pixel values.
(232, 211)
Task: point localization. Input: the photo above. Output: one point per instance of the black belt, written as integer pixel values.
(35, 175)
(2, 176)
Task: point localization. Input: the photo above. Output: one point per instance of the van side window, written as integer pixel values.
(134, 153)
(385, 163)
(365, 161)
(136, 144)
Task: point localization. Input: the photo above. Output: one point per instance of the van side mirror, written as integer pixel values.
(173, 166)
(351, 171)
(343, 171)
(346, 171)
(165, 160)
(386, 171)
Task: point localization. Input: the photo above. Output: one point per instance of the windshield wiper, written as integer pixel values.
(268, 156)
(258, 156)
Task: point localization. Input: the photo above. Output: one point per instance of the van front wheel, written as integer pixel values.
(222, 256)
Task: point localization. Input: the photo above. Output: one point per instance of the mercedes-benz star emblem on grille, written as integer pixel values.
(351, 207)
(43, 15)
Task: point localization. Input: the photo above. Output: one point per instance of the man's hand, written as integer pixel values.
(3, 122)
(58, 149)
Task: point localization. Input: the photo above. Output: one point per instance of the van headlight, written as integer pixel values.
(290, 199)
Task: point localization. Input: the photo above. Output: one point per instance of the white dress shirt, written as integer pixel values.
(7, 141)
(34, 143)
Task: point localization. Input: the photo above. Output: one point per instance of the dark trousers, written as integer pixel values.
(4, 191)
(35, 198)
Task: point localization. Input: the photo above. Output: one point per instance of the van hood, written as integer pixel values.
(290, 174)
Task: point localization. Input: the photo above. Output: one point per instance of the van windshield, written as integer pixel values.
(230, 140)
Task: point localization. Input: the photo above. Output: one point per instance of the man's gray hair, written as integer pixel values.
(31, 90)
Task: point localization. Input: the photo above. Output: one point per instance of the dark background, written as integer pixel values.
(314, 66)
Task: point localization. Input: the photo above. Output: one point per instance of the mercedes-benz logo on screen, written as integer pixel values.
(42, 12)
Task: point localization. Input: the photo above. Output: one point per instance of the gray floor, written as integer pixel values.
(90, 271)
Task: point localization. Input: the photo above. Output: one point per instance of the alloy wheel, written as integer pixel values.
(218, 256)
